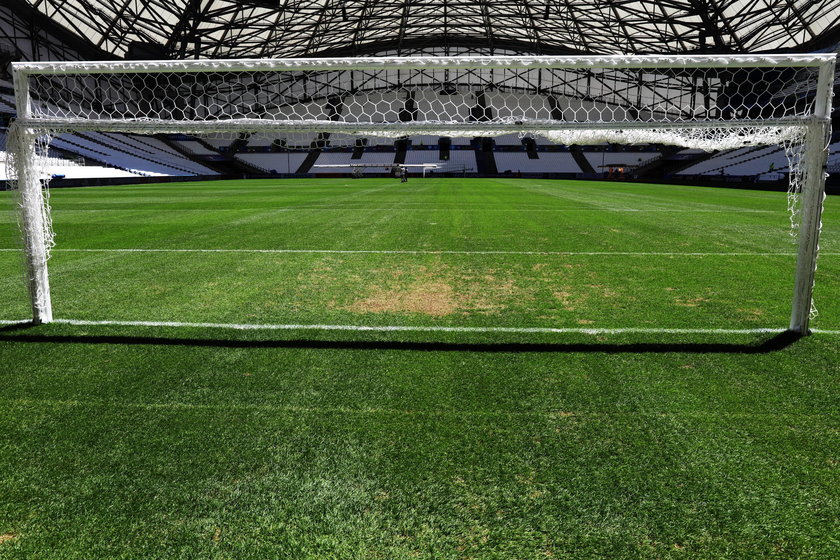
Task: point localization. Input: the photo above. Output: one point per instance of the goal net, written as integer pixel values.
(703, 102)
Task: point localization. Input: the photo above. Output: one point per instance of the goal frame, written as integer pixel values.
(814, 127)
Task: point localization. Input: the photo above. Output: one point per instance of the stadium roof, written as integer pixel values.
(278, 28)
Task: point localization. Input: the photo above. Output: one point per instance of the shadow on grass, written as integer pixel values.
(772, 343)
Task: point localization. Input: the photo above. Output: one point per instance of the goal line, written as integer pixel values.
(415, 328)
(433, 252)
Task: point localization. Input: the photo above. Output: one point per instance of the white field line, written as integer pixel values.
(432, 252)
(412, 328)
(435, 209)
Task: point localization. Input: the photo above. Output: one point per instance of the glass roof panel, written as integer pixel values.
(308, 27)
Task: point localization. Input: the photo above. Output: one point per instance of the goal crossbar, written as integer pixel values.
(697, 101)
(439, 62)
(160, 126)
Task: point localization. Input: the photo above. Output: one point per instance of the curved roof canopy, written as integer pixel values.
(281, 28)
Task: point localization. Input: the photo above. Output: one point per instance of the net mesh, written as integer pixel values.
(27, 159)
(431, 96)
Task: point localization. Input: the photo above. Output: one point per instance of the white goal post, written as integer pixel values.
(697, 101)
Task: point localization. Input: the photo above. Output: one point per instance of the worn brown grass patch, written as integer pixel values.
(436, 290)
(432, 298)
(751, 314)
(692, 302)
(6, 537)
(571, 298)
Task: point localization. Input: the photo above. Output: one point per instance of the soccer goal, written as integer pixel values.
(706, 102)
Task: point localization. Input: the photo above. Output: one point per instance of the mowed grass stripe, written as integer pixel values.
(298, 410)
(370, 488)
(476, 230)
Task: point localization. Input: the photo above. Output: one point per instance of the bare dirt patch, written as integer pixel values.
(6, 537)
(570, 298)
(436, 290)
(605, 292)
(433, 298)
(693, 302)
(752, 314)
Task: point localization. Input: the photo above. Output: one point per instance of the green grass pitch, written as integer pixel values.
(185, 442)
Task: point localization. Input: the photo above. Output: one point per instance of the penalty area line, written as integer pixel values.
(417, 328)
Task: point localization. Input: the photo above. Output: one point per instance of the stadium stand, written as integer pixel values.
(601, 160)
(142, 155)
(508, 140)
(744, 161)
(424, 140)
(194, 147)
(68, 169)
(218, 142)
(274, 162)
(334, 158)
(464, 158)
(548, 162)
(344, 157)
(459, 160)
